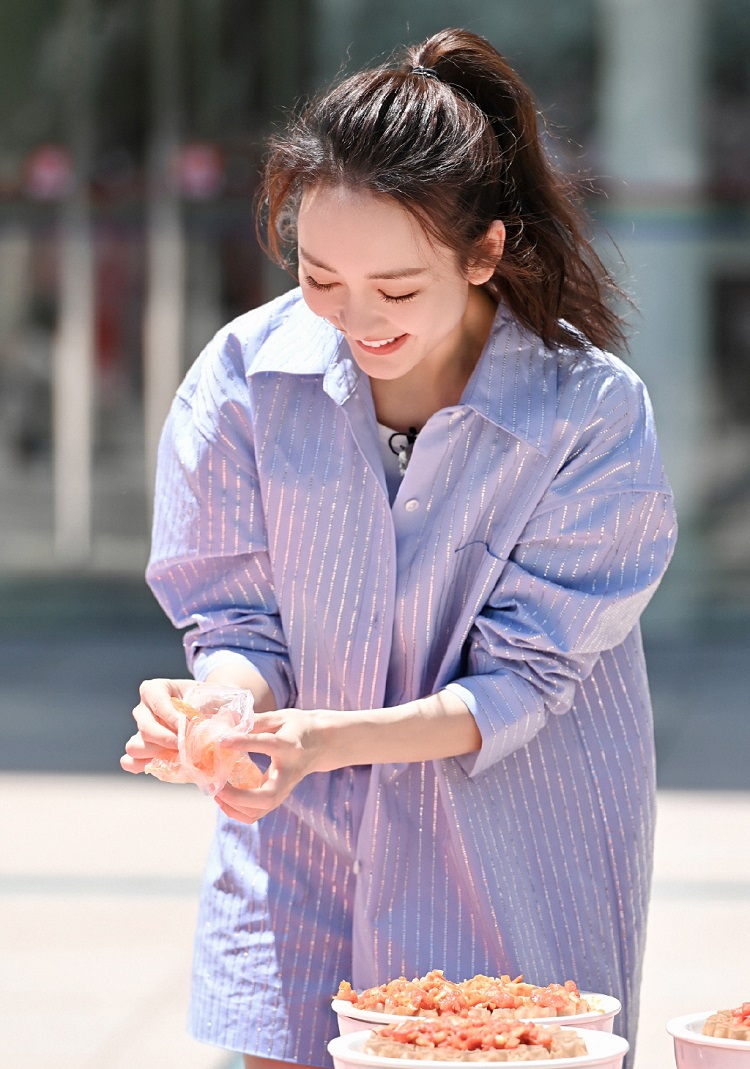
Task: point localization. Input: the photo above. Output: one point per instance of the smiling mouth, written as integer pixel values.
(386, 345)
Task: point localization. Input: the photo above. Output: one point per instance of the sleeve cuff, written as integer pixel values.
(503, 716)
(206, 661)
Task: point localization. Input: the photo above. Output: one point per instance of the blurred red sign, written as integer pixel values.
(199, 170)
(49, 173)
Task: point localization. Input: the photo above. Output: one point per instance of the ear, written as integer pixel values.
(490, 252)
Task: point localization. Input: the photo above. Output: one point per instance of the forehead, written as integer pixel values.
(339, 225)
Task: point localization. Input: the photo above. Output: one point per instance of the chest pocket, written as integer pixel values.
(476, 569)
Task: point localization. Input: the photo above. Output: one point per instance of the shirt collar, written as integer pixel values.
(298, 342)
(513, 385)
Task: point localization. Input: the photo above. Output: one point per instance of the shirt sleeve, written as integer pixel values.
(209, 566)
(585, 566)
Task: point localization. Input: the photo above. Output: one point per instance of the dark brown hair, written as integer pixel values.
(456, 144)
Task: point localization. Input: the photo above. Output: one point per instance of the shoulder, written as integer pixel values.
(593, 384)
(282, 335)
(548, 395)
(603, 382)
(251, 331)
(605, 421)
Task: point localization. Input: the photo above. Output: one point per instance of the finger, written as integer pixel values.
(250, 742)
(145, 749)
(244, 741)
(132, 764)
(244, 816)
(153, 730)
(241, 798)
(262, 734)
(157, 694)
(270, 794)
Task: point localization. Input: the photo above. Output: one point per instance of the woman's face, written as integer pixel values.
(367, 267)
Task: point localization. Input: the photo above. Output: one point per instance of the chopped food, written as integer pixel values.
(729, 1024)
(483, 996)
(455, 1038)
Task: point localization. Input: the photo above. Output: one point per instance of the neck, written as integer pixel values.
(440, 381)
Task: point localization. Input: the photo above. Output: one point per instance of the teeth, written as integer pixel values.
(378, 344)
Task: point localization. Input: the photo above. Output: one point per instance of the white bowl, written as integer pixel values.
(692, 1050)
(601, 1018)
(605, 1051)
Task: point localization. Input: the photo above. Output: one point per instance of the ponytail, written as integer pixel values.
(451, 134)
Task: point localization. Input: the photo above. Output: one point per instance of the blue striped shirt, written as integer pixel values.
(530, 530)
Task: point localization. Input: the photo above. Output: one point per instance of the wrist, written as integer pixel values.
(426, 729)
(342, 738)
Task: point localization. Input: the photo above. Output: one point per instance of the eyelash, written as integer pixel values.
(326, 287)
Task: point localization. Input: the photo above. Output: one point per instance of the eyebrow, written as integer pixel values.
(403, 272)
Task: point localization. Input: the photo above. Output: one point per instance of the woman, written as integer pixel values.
(417, 510)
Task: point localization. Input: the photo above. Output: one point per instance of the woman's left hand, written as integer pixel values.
(293, 739)
(301, 741)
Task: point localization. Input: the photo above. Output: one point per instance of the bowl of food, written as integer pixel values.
(481, 997)
(450, 1042)
(716, 1039)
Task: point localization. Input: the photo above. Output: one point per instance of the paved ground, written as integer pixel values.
(99, 870)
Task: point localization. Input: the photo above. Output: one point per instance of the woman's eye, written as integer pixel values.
(398, 300)
(323, 287)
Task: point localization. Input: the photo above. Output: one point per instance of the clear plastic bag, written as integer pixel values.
(207, 714)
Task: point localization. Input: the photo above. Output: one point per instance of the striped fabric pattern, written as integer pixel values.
(532, 527)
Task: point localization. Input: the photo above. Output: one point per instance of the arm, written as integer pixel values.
(586, 564)
(243, 676)
(300, 741)
(210, 574)
(584, 568)
(210, 567)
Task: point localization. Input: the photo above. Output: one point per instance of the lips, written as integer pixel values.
(383, 346)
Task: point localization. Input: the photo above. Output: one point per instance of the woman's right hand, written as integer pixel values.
(157, 720)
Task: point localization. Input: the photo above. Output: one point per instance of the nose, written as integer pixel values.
(359, 321)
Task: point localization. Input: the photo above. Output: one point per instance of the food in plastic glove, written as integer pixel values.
(207, 715)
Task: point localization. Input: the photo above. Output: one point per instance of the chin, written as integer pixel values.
(385, 374)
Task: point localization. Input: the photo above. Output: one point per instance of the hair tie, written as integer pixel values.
(426, 72)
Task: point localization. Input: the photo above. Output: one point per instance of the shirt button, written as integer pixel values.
(356, 867)
(411, 505)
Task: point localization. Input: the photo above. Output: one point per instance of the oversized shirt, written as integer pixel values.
(531, 528)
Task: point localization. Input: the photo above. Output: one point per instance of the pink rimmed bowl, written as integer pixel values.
(605, 1051)
(601, 1018)
(692, 1050)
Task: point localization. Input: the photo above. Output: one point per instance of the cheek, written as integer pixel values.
(319, 303)
(446, 308)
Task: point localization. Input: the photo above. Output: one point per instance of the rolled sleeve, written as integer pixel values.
(209, 566)
(584, 569)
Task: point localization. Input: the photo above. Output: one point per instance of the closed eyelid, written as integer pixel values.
(401, 298)
(404, 272)
(390, 298)
(319, 285)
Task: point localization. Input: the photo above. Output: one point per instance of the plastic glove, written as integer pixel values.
(207, 715)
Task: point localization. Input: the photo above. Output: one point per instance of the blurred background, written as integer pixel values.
(130, 137)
